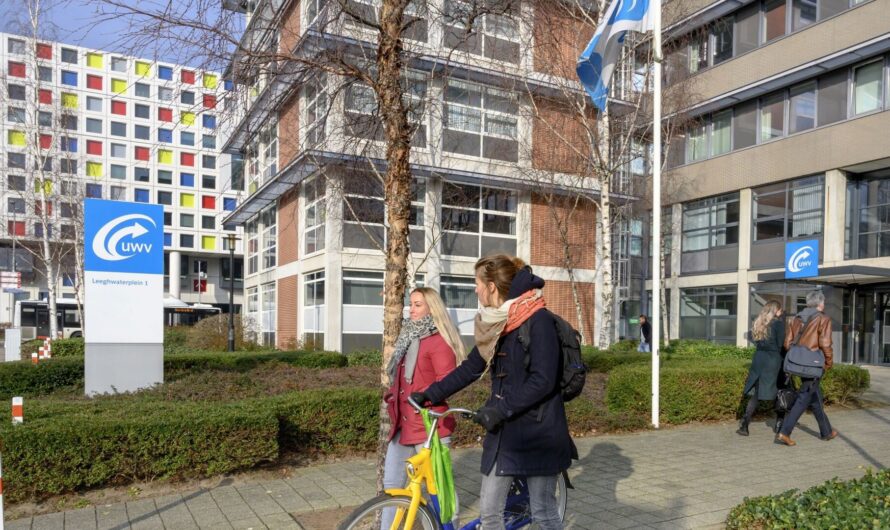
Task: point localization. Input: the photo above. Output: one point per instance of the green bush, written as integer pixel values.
(365, 358)
(707, 389)
(861, 503)
(625, 346)
(702, 349)
(63, 454)
(604, 361)
(68, 347)
(332, 422)
(175, 338)
(25, 379)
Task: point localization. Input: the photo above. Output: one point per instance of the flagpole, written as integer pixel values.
(656, 212)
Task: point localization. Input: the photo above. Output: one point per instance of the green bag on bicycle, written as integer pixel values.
(441, 459)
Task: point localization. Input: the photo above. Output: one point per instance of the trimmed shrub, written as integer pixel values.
(861, 503)
(328, 421)
(844, 383)
(702, 349)
(69, 453)
(25, 379)
(603, 361)
(175, 338)
(625, 346)
(365, 358)
(68, 347)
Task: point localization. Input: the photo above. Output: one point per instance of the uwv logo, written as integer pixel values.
(107, 239)
(801, 259)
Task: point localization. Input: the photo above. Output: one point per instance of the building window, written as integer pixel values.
(270, 237)
(208, 161)
(118, 172)
(207, 141)
(69, 56)
(186, 138)
(773, 19)
(165, 177)
(94, 191)
(141, 132)
(16, 92)
(709, 314)
(16, 46)
(118, 151)
(314, 218)
(868, 83)
(772, 117)
(253, 247)
(268, 319)
(493, 35)
(45, 74)
(313, 289)
(253, 303)
(721, 137)
(165, 197)
(141, 174)
(696, 142)
(362, 288)
(711, 223)
(16, 115)
(225, 268)
(316, 104)
(788, 210)
(118, 193)
(186, 240)
(478, 221)
(803, 13)
(165, 94)
(802, 108)
(142, 111)
(187, 180)
(142, 90)
(16, 183)
(208, 222)
(458, 292)
(208, 182)
(118, 129)
(118, 64)
(186, 220)
(364, 214)
(480, 121)
(868, 219)
(832, 97)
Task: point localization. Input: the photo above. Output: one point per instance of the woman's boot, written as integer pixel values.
(743, 427)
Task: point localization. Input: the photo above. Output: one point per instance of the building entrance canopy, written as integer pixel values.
(842, 276)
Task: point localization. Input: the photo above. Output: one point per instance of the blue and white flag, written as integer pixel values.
(596, 64)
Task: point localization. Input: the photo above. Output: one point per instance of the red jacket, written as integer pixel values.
(435, 359)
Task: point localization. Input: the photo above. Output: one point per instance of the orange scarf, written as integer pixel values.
(526, 305)
(496, 322)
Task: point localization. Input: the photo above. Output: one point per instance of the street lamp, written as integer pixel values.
(231, 238)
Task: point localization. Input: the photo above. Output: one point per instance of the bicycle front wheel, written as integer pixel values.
(378, 511)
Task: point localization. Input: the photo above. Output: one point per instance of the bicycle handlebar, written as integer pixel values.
(469, 414)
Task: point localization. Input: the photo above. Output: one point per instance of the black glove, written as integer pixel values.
(490, 418)
(420, 398)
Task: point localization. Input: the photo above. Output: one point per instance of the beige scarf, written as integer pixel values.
(492, 322)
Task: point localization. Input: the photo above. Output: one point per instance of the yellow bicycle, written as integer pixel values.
(409, 508)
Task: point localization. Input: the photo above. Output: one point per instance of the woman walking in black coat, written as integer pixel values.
(768, 333)
(528, 434)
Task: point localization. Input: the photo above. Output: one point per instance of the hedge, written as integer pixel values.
(67, 453)
(702, 349)
(696, 390)
(861, 503)
(25, 379)
(604, 362)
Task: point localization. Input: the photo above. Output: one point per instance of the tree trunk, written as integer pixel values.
(608, 294)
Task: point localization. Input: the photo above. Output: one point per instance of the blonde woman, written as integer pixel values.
(768, 334)
(428, 348)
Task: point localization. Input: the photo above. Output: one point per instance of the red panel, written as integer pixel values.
(49, 208)
(94, 148)
(94, 82)
(188, 76)
(16, 69)
(119, 107)
(187, 159)
(16, 228)
(208, 201)
(165, 114)
(142, 153)
(209, 101)
(45, 96)
(202, 284)
(46, 141)
(44, 51)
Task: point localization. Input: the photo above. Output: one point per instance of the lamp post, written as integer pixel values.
(231, 239)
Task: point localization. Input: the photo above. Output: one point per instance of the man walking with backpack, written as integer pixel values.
(811, 329)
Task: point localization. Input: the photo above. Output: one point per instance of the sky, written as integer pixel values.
(91, 24)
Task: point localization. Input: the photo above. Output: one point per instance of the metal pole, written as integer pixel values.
(656, 212)
(231, 294)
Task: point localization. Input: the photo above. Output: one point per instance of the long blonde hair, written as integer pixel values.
(443, 322)
(760, 329)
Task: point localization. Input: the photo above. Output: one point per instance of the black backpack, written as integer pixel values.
(574, 371)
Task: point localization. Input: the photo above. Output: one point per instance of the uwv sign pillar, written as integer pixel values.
(124, 306)
(802, 259)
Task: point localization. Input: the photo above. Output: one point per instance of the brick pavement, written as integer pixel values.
(685, 477)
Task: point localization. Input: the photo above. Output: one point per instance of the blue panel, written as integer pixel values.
(209, 121)
(229, 204)
(165, 135)
(165, 72)
(228, 84)
(187, 179)
(94, 191)
(168, 239)
(69, 145)
(69, 78)
(187, 138)
(802, 259)
(141, 196)
(123, 237)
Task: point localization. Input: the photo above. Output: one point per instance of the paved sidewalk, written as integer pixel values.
(687, 477)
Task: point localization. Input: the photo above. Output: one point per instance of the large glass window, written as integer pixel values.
(788, 210)
(253, 246)
(722, 40)
(314, 218)
(458, 292)
(480, 121)
(744, 125)
(362, 116)
(802, 108)
(313, 289)
(364, 214)
(362, 288)
(711, 223)
(772, 117)
(721, 133)
(773, 19)
(268, 319)
(478, 221)
(832, 97)
(803, 13)
(697, 143)
(747, 28)
(868, 219)
(709, 314)
(494, 33)
(868, 87)
(269, 218)
(316, 104)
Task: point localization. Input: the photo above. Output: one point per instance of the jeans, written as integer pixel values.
(542, 497)
(394, 471)
(644, 347)
(810, 396)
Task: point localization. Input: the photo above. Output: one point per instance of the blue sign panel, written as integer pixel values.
(802, 259)
(123, 237)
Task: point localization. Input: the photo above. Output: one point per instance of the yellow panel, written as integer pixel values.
(118, 86)
(94, 169)
(94, 60)
(165, 156)
(208, 242)
(209, 81)
(69, 100)
(47, 187)
(16, 138)
(187, 200)
(187, 118)
(143, 69)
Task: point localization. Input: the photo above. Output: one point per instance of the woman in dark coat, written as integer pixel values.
(528, 434)
(768, 333)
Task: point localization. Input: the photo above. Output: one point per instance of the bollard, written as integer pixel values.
(18, 414)
(34, 358)
(40, 354)
(1, 494)
(48, 349)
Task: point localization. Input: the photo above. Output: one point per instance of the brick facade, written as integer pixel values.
(289, 130)
(289, 30)
(560, 138)
(547, 246)
(286, 334)
(559, 300)
(288, 227)
(559, 34)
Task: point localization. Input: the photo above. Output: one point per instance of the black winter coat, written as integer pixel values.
(534, 440)
(767, 363)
